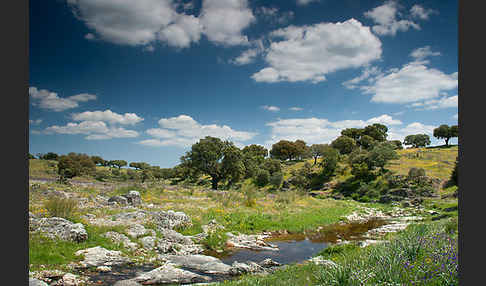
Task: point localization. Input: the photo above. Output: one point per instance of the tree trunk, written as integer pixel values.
(315, 160)
(214, 182)
(447, 141)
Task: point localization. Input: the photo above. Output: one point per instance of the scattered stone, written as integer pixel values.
(119, 200)
(168, 273)
(253, 241)
(99, 256)
(70, 279)
(56, 227)
(133, 198)
(171, 219)
(103, 268)
(201, 263)
(122, 239)
(138, 230)
(238, 268)
(37, 282)
(319, 260)
(126, 283)
(212, 226)
(148, 242)
(135, 216)
(268, 262)
(367, 242)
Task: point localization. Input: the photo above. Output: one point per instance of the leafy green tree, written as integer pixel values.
(74, 164)
(139, 165)
(256, 150)
(285, 149)
(417, 140)
(367, 142)
(272, 165)
(380, 154)
(302, 149)
(316, 151)
(215, 158)
(377, 131)
(445, 132)
(397, 143)
(119, 163)
(97, 160)
(49, 156)
(276, 179)
(330, 158)
(262, 178)
(232, 166)
(354, 133)
(344, 144)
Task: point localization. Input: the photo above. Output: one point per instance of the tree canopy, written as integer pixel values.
(344, 144)
(417, 140)
(285, 149)
(446, 132)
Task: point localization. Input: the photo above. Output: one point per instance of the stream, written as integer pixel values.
(293, 248)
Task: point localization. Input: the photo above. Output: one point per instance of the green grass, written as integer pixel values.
(55, 253)
(42, 169)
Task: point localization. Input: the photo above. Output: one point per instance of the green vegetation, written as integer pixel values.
(61, 207)
(417, 140)
(445, 132)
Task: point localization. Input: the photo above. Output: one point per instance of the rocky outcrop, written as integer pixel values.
(168, 273)
(119, 200)
(319, 260)
(99, 256)
(252, 241)
(121, 239)
(133, 198)
(170, 219)
(201, 263)
(56, 227)
(37, 282)
(138, 230)
(238, 268)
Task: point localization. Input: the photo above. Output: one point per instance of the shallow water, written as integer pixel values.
(293, 248)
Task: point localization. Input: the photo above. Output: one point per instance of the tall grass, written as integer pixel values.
(61, 207)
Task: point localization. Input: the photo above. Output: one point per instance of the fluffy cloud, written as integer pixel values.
(248, 56)
(318, 130)
(108, 116)
(184, 131)
(305, 2)
(224, 21)
(441, 103)
(369, 73)
(273, 15)
(385, 16)
(412, 128)
(413, 82)
(50, 100)
(420, 12)
(143, 22)
(95, 130)
(295, 108)
(308, 53)
(422, 53)
(35, 122)
(271, 108)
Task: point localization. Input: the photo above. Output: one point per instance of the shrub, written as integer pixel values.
(276, 179)
(415, 173)
(250, 195)
(102, 175)
(61, 207)
(262, 178)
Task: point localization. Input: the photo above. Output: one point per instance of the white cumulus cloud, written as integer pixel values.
(108, 116)
(385, 17)
(50, 100)
(420, 12)
(95, 130)
(308, 53)
(271, 108)
(184, 131)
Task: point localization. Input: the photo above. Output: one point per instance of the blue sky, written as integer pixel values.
(143, 80)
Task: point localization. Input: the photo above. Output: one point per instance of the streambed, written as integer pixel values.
(293, 248)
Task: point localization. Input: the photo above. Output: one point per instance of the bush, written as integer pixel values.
(102, 175)
(262, 178)
(250, 195)
(415, 173)
(276, 179)
(61, 207)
